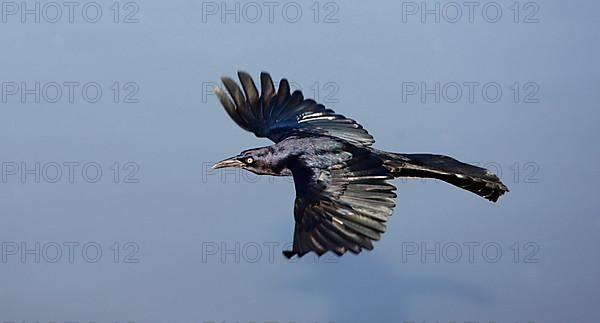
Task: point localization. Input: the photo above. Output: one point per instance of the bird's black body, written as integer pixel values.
(343, 197)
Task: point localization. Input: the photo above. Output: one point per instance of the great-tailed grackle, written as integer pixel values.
(343, 198)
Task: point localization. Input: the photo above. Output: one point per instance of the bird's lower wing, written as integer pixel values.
(342, 208)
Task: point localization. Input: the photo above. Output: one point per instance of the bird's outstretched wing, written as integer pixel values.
(278, 115)
(343, 206)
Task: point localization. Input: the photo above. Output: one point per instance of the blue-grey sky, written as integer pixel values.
(124, 90)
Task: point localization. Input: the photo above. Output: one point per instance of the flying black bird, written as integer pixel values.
(343, 197)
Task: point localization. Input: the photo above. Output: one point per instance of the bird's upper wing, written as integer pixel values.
(280, 115)
(343, 206)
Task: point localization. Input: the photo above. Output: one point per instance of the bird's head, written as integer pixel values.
(259, 161)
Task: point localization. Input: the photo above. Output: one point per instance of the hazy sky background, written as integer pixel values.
(162, 228)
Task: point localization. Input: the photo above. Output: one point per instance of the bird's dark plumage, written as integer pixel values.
(343, 197)
(277, 115)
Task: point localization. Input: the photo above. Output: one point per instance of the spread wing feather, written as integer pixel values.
(342, 207)
(278, 114)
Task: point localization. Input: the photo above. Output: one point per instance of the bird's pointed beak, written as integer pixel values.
(229, 162)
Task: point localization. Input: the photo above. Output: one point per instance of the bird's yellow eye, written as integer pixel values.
(249, 160)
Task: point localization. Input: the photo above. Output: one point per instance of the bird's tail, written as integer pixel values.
(471, 178)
